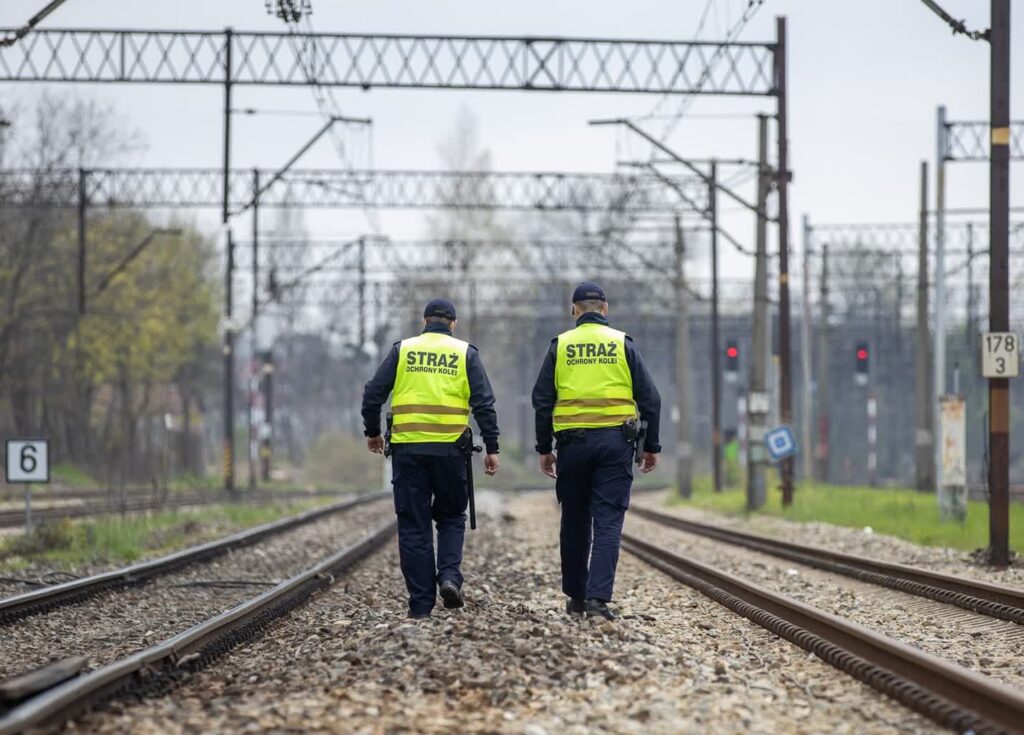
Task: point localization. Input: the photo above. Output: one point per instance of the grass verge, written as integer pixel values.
(905, 514)
(119, 540)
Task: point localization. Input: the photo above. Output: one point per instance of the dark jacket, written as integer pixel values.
(648, 400)
(481, 400)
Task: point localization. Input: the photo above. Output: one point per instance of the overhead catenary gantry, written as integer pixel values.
(528, 63)
(345, 188)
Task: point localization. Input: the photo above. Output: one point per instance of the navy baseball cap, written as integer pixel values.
(440, 307)
(588, 291)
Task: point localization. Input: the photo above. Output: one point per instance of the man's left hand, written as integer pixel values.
(648, 462)
(375, 444)
(491, 464)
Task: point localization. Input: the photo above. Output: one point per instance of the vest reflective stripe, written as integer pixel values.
(430, 400)
(592, 379)
(420, 408)
(595, 402)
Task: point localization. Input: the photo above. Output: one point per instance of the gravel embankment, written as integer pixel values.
(112, 625)
(849, 541)
(512, 662)
(990, 646)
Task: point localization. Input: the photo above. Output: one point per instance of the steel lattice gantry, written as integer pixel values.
(365, 61)
(972, 141)
(156, 187)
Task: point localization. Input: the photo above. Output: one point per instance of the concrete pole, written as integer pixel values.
(716, 346)
(821, 449)
(758, 397)
(924, 455)
(805, 356)
(999, 283)
(684, 445)
(939, 363)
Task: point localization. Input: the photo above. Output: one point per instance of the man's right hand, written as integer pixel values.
(375, 444)
(547, 465)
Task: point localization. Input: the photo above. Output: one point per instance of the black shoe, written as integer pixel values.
(575, 606)
(418, 616)
(598, 608)
(451, 594)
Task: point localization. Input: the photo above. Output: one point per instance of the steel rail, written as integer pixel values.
(984, 598)
(159, 667)
(59, 595)
(948, 694)
(15, 518)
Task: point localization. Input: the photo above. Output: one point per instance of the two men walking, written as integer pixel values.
(592, 396)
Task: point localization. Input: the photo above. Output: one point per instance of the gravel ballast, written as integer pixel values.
(114, 624)
(988, 645)
(512, 661)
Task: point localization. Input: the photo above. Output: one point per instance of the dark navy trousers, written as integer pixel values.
(594, 479)
(429, 488)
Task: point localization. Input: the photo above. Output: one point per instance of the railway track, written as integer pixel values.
(159, 667)
(1006, 603)
(49, 598)
(950, 695)
(107, 505)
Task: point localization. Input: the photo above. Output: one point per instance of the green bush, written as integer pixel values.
(49, 536)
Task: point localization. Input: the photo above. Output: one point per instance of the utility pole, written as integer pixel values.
(228, 457)
(254, 373)
(684, 443)
(924, 457)
(999, 283)
(785, 355)
(939, 362)
(266, 445)
(362, 295)
(970, 326)
(716, 358)
(821, 449)
(82, 225)
(805, 354)
(758, 402)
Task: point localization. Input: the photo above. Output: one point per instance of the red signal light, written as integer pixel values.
(732, 351)
(862, 354)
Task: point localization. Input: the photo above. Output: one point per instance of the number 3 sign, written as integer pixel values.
(1000, 355)
(28, 460)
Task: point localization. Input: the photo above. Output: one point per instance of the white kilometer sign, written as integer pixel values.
(1000, 355)
(28, 460)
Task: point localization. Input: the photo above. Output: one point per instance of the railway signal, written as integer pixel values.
(863, 360)
(732, 360)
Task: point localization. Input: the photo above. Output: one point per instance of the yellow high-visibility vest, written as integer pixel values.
(430, 400)
(593, 385)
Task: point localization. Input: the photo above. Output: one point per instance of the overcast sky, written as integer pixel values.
(865, 78)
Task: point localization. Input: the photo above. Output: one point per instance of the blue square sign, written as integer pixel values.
(781, 443)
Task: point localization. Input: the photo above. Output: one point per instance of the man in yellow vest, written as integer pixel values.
(592, 394)
(435, 381)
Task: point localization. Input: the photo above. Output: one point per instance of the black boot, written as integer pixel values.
(575, 606)
(451, 594)
(598, 608)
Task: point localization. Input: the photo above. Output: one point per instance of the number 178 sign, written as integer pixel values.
(1000, 355)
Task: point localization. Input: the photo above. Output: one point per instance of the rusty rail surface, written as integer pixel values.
(948, 694)
(159, 668)
(48, 598)
(994, 600)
